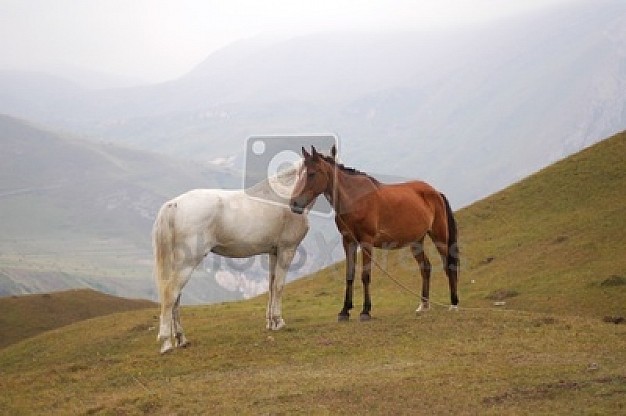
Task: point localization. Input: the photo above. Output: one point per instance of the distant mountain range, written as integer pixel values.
(470, 110)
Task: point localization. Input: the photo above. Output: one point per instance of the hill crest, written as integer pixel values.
(25, 316)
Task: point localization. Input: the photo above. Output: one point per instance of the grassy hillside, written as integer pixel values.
(25, 316)
(551, 247)
(557, 238)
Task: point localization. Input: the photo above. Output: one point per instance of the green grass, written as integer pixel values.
(554, 238)
(556, 243)
(484, 362)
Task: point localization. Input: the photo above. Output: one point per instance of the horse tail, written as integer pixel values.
(452, 259)
(163, 241)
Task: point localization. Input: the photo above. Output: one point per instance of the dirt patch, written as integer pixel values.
(543, 391)
(548, 320)
(486, 261)
(141, 328)
(614, 280)
(502, 294)
(614, 319)
(548, 390)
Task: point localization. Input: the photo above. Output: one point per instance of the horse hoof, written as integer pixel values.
(454, 308)
(167, 347)
(422, 308)
(181, 341)
(277, 324)
(364, 317)
(343, 318)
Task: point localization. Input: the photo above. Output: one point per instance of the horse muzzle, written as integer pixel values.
(296, 208)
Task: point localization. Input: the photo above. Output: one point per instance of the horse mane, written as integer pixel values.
(349, 170)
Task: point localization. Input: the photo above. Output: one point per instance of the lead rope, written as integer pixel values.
(373, 260)
(412, 292)
(402, 286)
(443, 305)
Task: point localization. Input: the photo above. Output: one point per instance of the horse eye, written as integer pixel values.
(310, 175)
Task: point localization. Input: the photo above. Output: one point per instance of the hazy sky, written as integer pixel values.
(156, 40)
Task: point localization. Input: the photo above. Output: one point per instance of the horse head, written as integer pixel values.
(313, 180)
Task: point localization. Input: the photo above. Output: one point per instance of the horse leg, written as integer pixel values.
(284, 257)
(170, 330)
(417, 250)
(167, 298)
(272, 277)
(181, 340)
(450, 269)
(453, 277)
(365, 278)
(349, 248)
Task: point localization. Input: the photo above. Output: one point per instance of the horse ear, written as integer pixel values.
(333, 152)
(314, 153)
(305, 154)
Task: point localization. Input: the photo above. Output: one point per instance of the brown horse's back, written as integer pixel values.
(403, 213)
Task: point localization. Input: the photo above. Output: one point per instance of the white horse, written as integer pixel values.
(231, 223)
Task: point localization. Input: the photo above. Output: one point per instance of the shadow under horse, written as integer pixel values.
(370, 214)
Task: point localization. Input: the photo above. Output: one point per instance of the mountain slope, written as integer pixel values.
(26, 316)
(79, 214)
(557, 238)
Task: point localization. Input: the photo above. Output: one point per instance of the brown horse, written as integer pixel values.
(370, 214)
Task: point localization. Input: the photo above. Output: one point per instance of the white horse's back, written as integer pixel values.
(231, 223)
